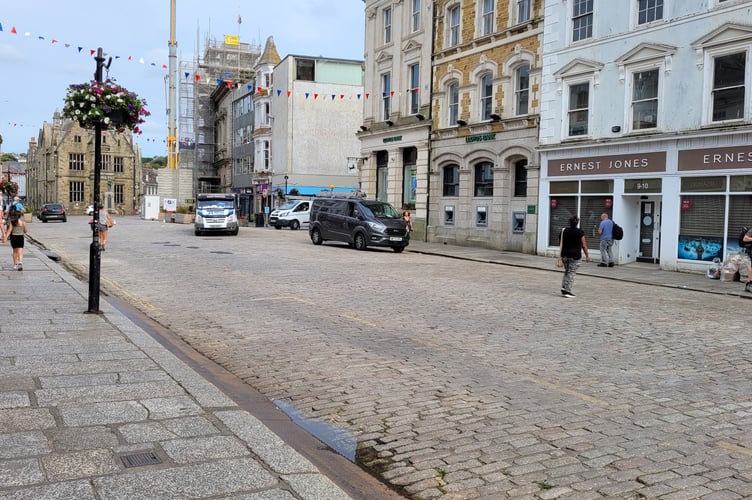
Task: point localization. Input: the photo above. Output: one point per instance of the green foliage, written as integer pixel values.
(8, 157)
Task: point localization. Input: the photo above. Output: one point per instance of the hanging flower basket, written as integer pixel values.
(107, 103)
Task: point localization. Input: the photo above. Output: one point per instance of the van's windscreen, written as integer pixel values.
(381, 210)
(216, 204)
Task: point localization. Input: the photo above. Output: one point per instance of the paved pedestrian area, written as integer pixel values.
(91, 407)
(460, 372)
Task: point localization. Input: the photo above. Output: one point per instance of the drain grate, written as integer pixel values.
(140, 459)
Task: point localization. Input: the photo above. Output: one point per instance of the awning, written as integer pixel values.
(314, 190)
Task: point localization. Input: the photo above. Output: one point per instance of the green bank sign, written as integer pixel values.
(480, 138)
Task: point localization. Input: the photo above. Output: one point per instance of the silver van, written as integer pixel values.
(215, 213)
(292, 214)
(358, 222)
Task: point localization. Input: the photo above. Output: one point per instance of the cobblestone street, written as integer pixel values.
(458, 379)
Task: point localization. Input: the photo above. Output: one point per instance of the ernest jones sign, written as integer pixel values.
(637, 163)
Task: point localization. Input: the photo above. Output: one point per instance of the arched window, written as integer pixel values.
(520, 178)
(486, 96)
(451, 184)
(522, 90)
(484, 178)
(453, 97)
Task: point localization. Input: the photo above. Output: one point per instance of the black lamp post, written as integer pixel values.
(285, 187)
(95, 251)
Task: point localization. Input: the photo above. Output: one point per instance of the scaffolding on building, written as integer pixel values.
(221, 63)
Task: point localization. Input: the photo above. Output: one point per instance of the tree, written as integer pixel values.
(8, 157)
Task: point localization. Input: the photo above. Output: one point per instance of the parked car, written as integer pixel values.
(358, 222)
(292, 214)
(52, 211)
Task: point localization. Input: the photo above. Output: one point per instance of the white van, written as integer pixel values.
(292, 214)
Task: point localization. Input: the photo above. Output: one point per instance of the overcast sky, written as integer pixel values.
(53, 39)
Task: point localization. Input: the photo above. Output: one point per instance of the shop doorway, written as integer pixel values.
(650, 231)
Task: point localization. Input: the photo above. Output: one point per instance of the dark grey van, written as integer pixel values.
(359, 223)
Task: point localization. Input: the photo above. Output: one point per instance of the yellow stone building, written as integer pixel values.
(60, 168)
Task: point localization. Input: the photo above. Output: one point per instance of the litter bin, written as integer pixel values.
(259, 220)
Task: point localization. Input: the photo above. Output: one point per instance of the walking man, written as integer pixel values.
(607, 241)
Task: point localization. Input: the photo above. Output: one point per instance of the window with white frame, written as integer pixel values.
(386, 94)
(453, 103)
(582, 20)
(388, 25)
(415, 18)
(578, 109)
(454, 26)
(649, 11)
(486, 96)
(523, 10)
(414, 87)
(522, 90)
(267, 155)
(645, 99)
(486, 17)
(727, 95)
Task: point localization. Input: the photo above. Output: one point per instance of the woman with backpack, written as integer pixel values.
(15, 232)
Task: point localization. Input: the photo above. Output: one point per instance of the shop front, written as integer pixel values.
(681, 205)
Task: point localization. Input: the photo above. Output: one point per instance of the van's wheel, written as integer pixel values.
(316, 237)
(294, 225)
(360, 242)
(398, 249)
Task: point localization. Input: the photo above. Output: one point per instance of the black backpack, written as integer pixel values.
(742, 243)
(617, 232)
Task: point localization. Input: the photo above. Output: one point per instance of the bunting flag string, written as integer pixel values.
(79, 48)
(131, 58)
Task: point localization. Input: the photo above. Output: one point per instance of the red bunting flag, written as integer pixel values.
(92, 52)
(367, 94)
(54, 41)
(13, 30)
(391, 93)
(258, 89)
(198, 77)
(342, 96)
(315, 96)
(229, 84)
(288, 93)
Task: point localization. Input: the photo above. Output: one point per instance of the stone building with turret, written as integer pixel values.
(60, 168)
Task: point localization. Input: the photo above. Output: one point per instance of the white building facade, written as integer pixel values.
(395, 131)
(646, 115)
(315, 112)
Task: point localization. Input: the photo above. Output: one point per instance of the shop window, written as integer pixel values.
(451, 180)
(591, 208)
(484, 179)
(562, 208)
(449, 215)
(701, 222)
(481, 216)
(739, 216)
(518, 222)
